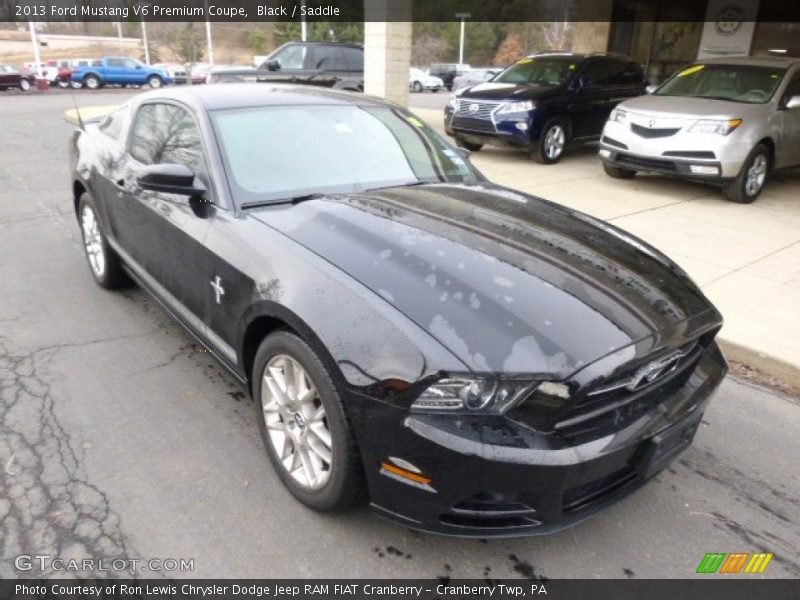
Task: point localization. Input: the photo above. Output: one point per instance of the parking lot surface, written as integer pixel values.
(119, 436)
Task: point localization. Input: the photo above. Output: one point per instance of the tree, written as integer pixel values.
(510, 50)
(428, 49)
(188, 43)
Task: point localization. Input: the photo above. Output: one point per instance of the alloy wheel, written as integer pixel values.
(296, 422)
(154, 82)
(554, 142)
(93, 241)
(92, 83)
(24, 85)
(756, 175)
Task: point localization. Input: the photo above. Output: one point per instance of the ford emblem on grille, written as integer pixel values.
(473, 108)
(652, 371)
(651, 123)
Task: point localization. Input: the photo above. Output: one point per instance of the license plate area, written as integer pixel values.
(663, 447)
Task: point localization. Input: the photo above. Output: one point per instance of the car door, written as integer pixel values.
(6, 76)
(163, 233)
(624, 80)
(324, 65)
(590, 99)
(132, 71)
(788, 150)
(114, 70)
(290, 64)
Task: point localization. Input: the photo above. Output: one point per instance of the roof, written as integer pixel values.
(758, 61)
(244, 95)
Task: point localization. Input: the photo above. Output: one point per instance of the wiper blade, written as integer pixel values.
(394, 185)
(289, 200)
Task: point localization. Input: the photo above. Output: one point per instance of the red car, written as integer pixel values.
(11, 77)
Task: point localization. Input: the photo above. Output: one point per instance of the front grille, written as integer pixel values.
(648, 132)
(612, 142)
(611, 405)
(482, 110)
(483, 511)
(469, 124)
(690, 154)
(646, 163)
(581, 496)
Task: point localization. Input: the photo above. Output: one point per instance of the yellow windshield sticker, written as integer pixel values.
(691, 70)
(571, 67)
(524, 61)
(414, 121)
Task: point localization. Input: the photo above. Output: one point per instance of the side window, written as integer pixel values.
(292, 57)
(353, 58)
(115, 62)
(595, 73)
(165, 133)
(129, 63)
(112, 124)
(793, 89)
(623, 73)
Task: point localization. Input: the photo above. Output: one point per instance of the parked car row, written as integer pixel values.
(727, 122)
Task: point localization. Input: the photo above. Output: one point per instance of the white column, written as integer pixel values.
(36, 57)
(387, 49)
(146, 46)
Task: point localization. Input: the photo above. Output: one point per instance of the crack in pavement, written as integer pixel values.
(48, 505)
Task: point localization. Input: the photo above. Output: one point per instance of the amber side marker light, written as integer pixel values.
(416, 477)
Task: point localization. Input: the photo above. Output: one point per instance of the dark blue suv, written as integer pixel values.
(543, 102)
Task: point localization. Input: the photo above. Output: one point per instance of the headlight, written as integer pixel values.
(516, 107)
(619, 115)
(715, 126)
(472, 395)
(542, 406)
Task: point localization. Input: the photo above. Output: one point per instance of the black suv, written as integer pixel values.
(447, 72)
(324, 64)
(543, 102)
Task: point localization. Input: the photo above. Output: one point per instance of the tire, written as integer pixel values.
(154, 81)
(551, 144)
(417, 87)
(618, 172)
(92, 82)
(104, 264)
(63, 83)
(750, 182)
(468, 145)
(76, 85)
(435, 90)
(325, 487)
(24, 85)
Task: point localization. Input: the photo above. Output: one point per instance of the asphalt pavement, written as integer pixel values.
(121, 437)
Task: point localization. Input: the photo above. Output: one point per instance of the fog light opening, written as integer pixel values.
(521, 125)
(704, 169)
(604, 153)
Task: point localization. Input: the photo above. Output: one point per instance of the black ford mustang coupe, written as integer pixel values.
(477, 360)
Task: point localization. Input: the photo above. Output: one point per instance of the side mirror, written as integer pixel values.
(274, 65)
(170, 179)
(650, 89)
(580, 84)
(793, 102)
(138, 66)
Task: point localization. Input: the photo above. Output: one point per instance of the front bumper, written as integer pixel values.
(517, 130)
(494, 477)
(721, 157)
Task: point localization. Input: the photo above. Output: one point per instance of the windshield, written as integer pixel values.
(544, 70)
(738, 83)
(280, 152)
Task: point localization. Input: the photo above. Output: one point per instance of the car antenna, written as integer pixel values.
(78, 112)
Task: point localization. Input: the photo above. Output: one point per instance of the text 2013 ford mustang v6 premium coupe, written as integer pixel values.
(478, 361)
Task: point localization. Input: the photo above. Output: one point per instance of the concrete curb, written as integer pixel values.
(769, 365)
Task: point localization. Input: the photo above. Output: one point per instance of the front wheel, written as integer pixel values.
(618, 172)
(24, 85)
(154, 81)
(76, 85)
(749, 183)
(417, 87)
(104, 263)
(63, 83)
(551, 144)
(304, 425)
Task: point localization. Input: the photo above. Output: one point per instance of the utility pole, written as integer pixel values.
(303, 24)
(462, 17)
(146, 46)
(36, 56)
(119, 35)
(208, 39)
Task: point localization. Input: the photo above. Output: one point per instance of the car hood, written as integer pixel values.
(691, 108)
(490, 90)
(507, 282)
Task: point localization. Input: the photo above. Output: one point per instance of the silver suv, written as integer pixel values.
(726, 121)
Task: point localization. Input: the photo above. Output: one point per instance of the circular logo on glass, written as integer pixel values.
(729, 19)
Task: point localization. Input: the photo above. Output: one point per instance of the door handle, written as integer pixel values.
(120, 183)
